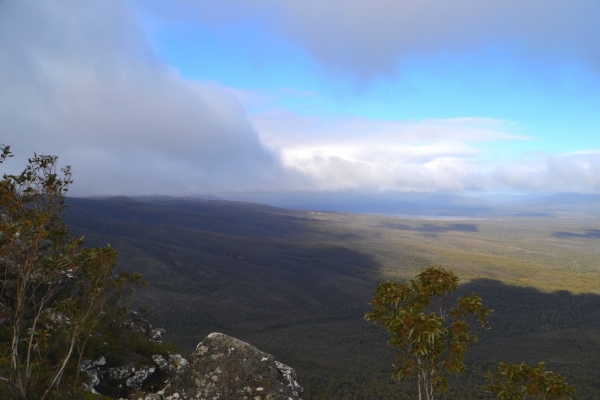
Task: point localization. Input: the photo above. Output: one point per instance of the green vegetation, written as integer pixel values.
(431, 338)
(520, 381)
(60, 302)
(296, 284)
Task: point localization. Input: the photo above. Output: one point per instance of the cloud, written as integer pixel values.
(78, 80)
(280, 125)
(433, 155)
(374, 37)
(364, 154)
(568, 172)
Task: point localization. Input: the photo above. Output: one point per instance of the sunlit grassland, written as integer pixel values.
(518, 251)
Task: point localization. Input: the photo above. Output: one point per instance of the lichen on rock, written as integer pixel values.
(223, 367)
(135, 381)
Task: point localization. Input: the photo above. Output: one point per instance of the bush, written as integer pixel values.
(55, 294)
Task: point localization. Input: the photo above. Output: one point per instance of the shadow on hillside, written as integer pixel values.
(232, 267)
(219, 216)
(589, 234)
(431, 229)
(528, 325)
(521, 310)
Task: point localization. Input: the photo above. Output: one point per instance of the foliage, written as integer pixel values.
(54, 292)
(430, 338)
(520, 381)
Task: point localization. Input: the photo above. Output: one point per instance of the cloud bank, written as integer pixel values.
(448, 155)
(80, 81)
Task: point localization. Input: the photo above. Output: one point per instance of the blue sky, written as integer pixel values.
(188, 97)
(555, 101)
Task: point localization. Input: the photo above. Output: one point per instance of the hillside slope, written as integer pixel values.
(296, 284)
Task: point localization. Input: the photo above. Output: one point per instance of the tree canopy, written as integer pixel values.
(521, 381)
(430, 337)
(54, 292)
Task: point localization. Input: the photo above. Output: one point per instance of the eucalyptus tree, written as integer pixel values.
(521, 381)
(430, 337)
(54, 292)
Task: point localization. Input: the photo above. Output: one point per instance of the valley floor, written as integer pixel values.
(296, 284)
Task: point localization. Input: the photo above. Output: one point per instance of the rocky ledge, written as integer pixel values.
(223, 367)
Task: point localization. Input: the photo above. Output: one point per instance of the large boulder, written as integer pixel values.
(223, 367)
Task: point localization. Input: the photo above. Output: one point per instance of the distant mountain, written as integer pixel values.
(431, 204)
(509, 198)
(155, 198)
(389, 204)
(568, 199)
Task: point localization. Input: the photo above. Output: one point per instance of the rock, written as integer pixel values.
(135, 381)
(152, 396)
(163, 365)
(89, 364)
(137, 323)
(122, 372)
(178, 361)
(290, 377)
(125, 380)
(156, 335)
(223, 367)
(174, 364)
(92, 370)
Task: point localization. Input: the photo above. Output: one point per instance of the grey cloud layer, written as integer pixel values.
(78, 81)
(370, 37)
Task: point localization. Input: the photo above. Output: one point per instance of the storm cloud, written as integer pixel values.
(78, 80)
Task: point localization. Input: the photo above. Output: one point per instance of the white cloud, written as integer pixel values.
(568, 172)
(283, 126)
(448, 155)
(364, 154)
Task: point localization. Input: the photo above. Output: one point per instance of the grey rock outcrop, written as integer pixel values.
(125, 375)
(172, 365)
(223, 367)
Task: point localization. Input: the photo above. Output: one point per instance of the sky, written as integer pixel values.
(185, 97)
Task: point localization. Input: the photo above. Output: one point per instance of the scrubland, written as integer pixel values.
(296, 284)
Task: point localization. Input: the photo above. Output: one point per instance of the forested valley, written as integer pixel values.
(297, 283)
